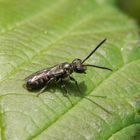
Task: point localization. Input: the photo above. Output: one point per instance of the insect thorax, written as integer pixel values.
(68, 69)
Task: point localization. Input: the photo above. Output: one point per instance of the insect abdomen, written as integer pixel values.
(36, 84)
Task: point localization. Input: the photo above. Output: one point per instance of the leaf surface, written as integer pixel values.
(36, 35)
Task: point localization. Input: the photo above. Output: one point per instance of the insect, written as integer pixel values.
(43, 78)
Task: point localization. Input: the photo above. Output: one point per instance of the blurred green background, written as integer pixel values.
(131, 8)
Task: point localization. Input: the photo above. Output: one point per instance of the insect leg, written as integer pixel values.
(76, 83)
(44, 88)
(64, 87)
(66, 92)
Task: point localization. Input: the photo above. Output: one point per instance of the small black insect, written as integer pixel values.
(42, 79)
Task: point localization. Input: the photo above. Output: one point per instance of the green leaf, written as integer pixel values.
(36, 35)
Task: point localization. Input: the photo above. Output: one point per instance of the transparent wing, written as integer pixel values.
(37, 73)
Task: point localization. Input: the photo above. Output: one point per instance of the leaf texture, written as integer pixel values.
(36, 35)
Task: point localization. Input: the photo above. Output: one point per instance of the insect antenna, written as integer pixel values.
(89, 65)
(94, 50)
(100, 67)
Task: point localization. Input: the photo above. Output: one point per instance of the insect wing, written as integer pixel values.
(37, 74)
